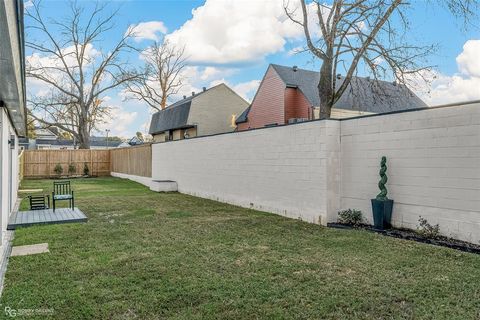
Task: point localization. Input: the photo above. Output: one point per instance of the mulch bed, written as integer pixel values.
(415, 236)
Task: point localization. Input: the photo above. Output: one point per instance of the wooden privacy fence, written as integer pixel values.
(132, 160)
(21, 166)
(42, 163)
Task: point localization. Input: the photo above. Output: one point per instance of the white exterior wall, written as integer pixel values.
(8, 171)
(433, 160)
(281, 170)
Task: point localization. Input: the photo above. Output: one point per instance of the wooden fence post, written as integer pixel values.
(48, 163)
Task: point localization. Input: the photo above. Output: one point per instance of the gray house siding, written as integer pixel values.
(212, 111)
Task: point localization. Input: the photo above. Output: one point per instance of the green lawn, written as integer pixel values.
(147, 255)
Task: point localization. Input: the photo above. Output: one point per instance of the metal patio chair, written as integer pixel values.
(38, 202)
(62, 191)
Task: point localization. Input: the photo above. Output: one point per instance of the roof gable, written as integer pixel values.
(177, 114)
(362, 94)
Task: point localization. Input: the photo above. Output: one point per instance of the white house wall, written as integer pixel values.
(9, 188)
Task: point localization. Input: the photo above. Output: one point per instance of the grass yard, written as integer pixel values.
(147, 255)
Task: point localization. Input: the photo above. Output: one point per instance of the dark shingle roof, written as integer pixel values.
(243, 117)
(362, 94)
(175, 116)
(65, 142)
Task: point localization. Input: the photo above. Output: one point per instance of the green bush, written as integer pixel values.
(86, 170)
(350, 216)
(58, 169)
(427, 230)
(71, 168)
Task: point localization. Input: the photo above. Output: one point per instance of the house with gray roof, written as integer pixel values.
(288, 95)
(208, 112)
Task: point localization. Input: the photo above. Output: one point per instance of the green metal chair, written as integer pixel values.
(62, 191)
(37, 202)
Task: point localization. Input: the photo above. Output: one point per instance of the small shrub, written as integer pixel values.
(86, 170)
(427, 230)
(71, 169)
(350, 216)
(58, 169)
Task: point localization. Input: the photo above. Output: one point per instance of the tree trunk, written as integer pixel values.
(163, 103)
(83, 136)
(325, 89)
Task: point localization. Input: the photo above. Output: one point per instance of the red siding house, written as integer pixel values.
(288, 95)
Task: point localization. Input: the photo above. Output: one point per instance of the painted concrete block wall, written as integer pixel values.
(433, 160)
(311, 170)
(281, 170)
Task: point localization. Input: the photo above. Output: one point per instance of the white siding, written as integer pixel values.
(8, 171)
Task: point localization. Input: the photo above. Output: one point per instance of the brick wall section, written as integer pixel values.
(267, 106)
(310, 170)
(433, 160)
(296, 105)
(280, 169)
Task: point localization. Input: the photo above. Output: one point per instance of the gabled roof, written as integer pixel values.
(243, 116)
(362, 94)
(175, 116)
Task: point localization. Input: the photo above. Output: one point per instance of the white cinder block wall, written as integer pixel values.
(433, 160)
(281, 170)
(311, 170)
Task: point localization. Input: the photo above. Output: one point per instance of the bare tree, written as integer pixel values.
(368, 34)
(160, 77)
(76, 73)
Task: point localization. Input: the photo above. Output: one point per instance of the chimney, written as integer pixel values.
(394, 83)
(294, 68)
(204, 89)
(184, 97)
(339, 76)
(368, 78)
(193, 93)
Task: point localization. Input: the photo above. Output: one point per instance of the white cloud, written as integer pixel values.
(230, 31)
(148, 30)
(459, 87)
(119, 123)
(28, 4)
(469, 60)
(245, 89)
(196, 77)
(42, 62)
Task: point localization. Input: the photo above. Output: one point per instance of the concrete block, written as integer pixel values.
(163, 186)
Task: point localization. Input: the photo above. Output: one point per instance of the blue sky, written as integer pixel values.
(234, 41)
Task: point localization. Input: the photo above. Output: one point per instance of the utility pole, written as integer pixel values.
(107, 130)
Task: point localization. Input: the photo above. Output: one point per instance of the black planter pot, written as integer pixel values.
(382, 213)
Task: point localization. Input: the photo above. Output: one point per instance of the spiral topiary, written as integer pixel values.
(382, 196)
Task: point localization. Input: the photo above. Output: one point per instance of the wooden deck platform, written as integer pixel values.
(35, 217)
